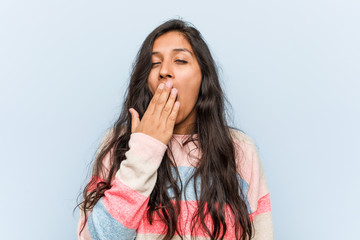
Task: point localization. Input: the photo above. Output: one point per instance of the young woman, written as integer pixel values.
(170, 167)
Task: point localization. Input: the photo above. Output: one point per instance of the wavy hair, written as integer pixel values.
(217, 165)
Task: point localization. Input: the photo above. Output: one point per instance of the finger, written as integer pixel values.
(151, 106)
(172, 117)
(169, 104)
(161, 101)
(135, 120)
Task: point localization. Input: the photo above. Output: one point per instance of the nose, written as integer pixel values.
(165, 75)
(165, 71)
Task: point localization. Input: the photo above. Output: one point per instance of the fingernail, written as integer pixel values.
(161, 86)
(173, 91)
(169, 84)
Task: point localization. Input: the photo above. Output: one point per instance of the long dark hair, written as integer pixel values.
(217, 165)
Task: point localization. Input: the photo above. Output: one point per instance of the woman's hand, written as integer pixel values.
(159, 118)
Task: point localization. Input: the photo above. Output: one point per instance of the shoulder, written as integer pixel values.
(107, 161)
(109, 134)
(240, 136)
(246, 153)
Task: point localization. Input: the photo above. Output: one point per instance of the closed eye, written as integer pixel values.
(182, 61)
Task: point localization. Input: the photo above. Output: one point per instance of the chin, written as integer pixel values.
(178, 119)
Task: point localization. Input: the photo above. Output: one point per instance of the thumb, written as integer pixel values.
(135, 120)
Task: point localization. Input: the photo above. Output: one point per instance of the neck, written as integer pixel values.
(186, 126)
(184, 130)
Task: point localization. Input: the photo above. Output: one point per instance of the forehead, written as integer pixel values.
(171, 41)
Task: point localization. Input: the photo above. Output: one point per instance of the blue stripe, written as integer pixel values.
(245, 189)
(102, 226)
(186, 172)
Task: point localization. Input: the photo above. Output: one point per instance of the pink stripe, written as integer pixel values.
(104, 171)
(185, 221)
(264, 205)
(97, 180)
(125, 204)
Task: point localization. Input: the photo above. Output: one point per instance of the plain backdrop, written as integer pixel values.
(290, 70)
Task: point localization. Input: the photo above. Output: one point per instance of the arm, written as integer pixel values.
(118, 213)
(260, 203)
(255, 186)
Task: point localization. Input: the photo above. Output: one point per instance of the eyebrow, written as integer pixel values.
(176, 50)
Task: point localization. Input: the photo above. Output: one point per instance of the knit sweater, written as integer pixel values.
(121, 212)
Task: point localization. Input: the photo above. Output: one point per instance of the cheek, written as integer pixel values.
(152, 86)
(187, 100)
(187, 93)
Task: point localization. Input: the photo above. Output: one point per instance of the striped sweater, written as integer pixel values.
(121, 212)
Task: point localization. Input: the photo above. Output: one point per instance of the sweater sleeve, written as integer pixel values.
(118, 213)
(255, 186)
(259, 197)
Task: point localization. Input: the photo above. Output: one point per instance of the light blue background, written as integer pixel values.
(289, 68)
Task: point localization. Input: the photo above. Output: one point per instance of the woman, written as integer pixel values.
(210, 184)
